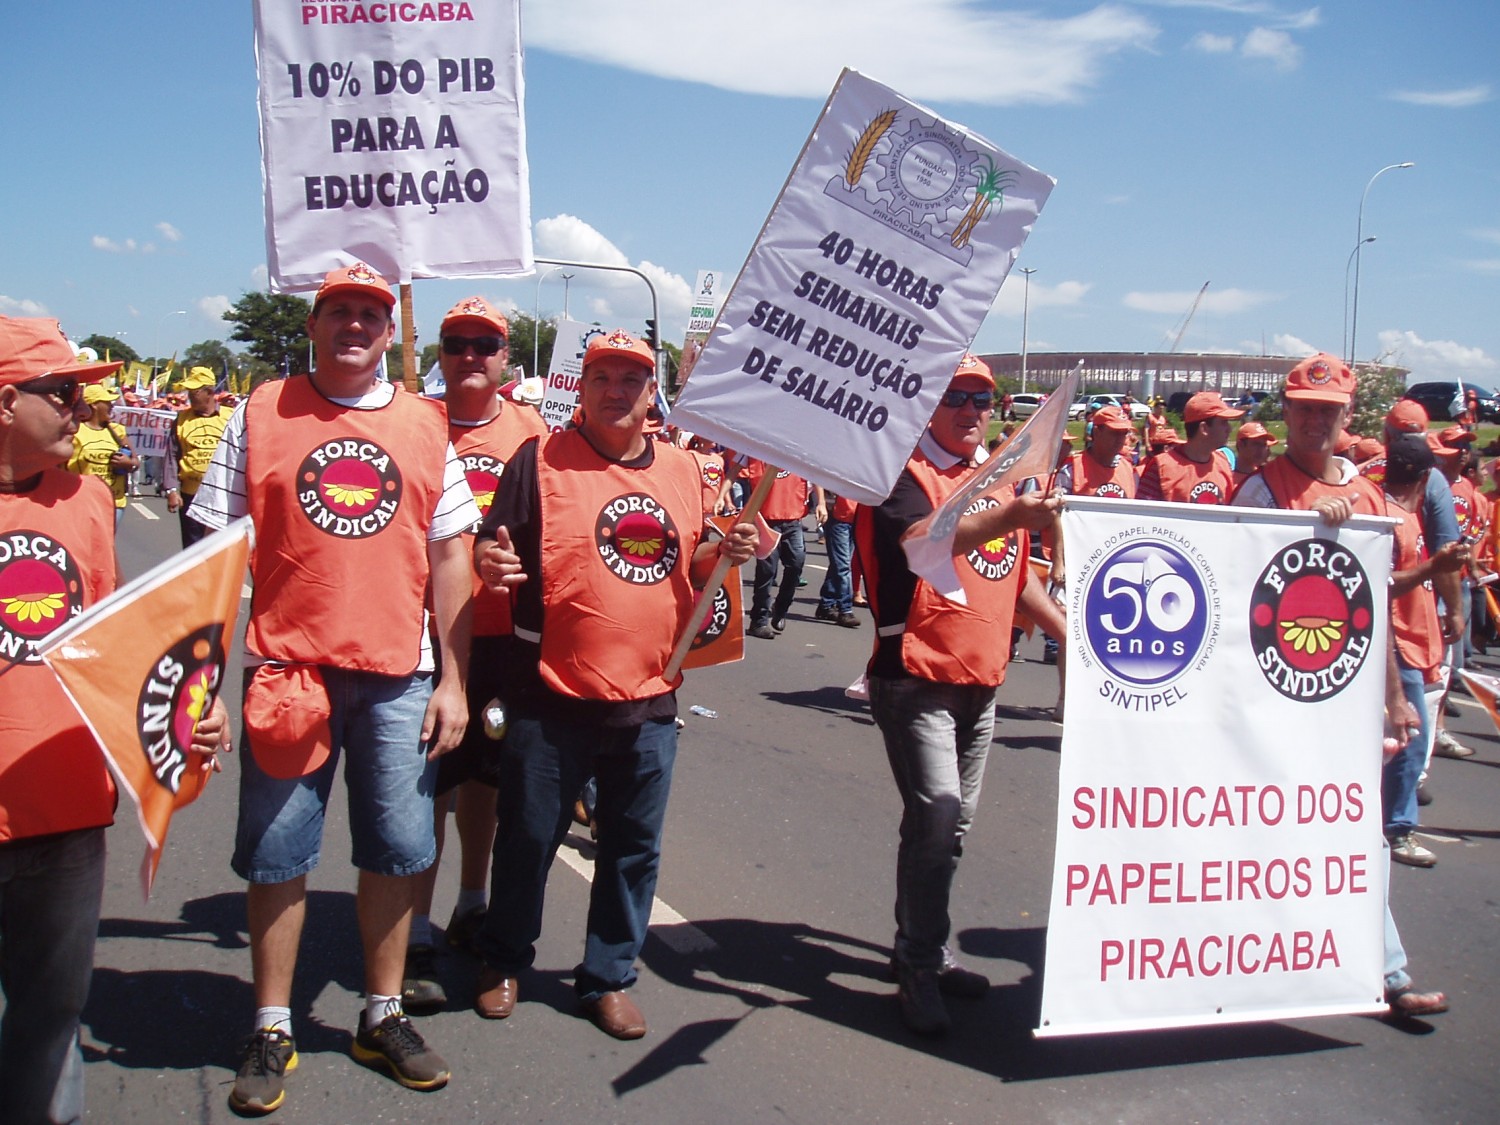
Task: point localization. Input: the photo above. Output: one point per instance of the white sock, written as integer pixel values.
(273, 1019)
(421, 930)
(378, 1008)
(470, 899)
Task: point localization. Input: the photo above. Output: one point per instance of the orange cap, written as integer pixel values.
(973, 367)
(358, 278)
(1254, 431)
(32, 347)
(1407, 416)
(1111, 418)
(1208, 404)
(620, 343)
(1346, 441)
(286, 713)
(1320, 378)
(1455, 435)
(479, 311)
(1366, 449)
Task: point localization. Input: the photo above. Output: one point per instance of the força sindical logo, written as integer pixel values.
(482, 471)
(637, 539)
(716, 622)
(40, 590)
(994, 560)
(1311, 617)
(349, 487)
(178, 690)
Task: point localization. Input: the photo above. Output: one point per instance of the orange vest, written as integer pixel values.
(616, 546)
(1466, 508)
(1185, 481)
(342, 500)
(1414, 619)
(787, 499)
(943, 641)
(711, 472)
(1293, 489)
(1090, 478)
(57, 552)
(483, 451)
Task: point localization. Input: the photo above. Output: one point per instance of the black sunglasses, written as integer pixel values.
(982, 400)
(482, 345)
(64, 393)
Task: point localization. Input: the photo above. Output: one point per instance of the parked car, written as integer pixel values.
(1251, 399)
(1024, 406)
(1138, 410)
(1437, 399)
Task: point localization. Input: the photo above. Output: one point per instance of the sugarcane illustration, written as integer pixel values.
(991, 186)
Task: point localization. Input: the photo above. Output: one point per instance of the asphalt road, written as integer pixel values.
(764, 979)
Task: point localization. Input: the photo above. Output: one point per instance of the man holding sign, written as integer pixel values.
(934, 673)
(598, 532)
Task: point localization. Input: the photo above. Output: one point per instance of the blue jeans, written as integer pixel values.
(837, 593)
(50, 891)
(789, 551)
(1399, 776)
(1396, 976)
(543, 765)
(377, 722)
(937, 738)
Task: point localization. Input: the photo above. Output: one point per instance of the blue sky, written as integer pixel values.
(1221, 141)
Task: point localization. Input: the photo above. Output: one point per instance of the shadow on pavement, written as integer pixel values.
(831, 700)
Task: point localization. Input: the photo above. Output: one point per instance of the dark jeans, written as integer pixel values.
(837, 593)
(789, 551)
(543, 765)
(192, 530)
(50, 891)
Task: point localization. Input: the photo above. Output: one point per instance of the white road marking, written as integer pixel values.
(145, 511)
(676, 931)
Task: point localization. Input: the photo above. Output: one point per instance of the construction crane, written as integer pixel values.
(1182, 328)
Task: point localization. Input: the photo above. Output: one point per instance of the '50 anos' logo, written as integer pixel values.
(1147, 615)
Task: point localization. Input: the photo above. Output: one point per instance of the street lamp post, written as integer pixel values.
(1025, 321)
(1352, 255)
(536, 323)
(1359, 236)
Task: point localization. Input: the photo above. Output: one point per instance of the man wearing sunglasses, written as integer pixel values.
(934, 673)
(357, 500)
(56, 797)
(485, 431)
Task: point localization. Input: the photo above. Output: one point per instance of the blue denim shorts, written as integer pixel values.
(376, 723)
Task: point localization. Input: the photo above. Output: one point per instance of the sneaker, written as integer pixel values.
(921, 1003)
(1446, 746)
(1405, 849)
(463, 927)
(848, 621)
(421, 994)
(260, 1085)
(953, 979)
(779, 623)
(1424, 795)
(762, 632)
(825, 613)
(396, 1045)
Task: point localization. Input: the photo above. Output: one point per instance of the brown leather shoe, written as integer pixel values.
(615, 1014)
(496, 997)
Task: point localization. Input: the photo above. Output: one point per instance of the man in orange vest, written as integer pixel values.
(599, 533)
(934, 673)
(358, 501)
(783, 509)
(56, 797)
(1252, 449)
(1196, 471)
(485, 430)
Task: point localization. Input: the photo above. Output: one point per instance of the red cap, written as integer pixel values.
(358, 278)
(1111, 418)
(1346, 441)
(1208, 404)
(1254, 431)
(974, 367)
(1455, 435)
(1407, 416)
(34, 347)
(1366, 449)
(621, 343)
(1165, 436)
(478, 311)
(286, 713)
(1320, 378)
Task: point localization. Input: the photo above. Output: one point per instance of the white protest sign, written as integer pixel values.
(565, 371)
(708, 297)
(1219, 847)
(869, 280)
(392, 133)
(149, 431)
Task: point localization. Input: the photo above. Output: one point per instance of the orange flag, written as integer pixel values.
(1486, 689)
(721, 639)
(143, 665)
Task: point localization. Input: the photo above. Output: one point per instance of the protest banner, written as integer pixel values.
(565, 371)
(145, 664)
(1219, 848)
(721, 637)
(149, 431)
(394, 133)
(1030, 452)
(708, 296)
(869, 280)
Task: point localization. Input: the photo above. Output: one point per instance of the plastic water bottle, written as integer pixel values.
(494, 720)
(702, 711)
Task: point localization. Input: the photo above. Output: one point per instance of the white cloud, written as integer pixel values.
(21, 306)
(1490, 235)
(213, 308)
(1275, 46)
(1012, 295)
(1435, 359)
(623, 295)
(110, 246)
(1446, 99)
(169, 232)
(1211, 44)
(949, 50)
(1285, 344)
(1226, 301)
(260, 276)
(1482, 265)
